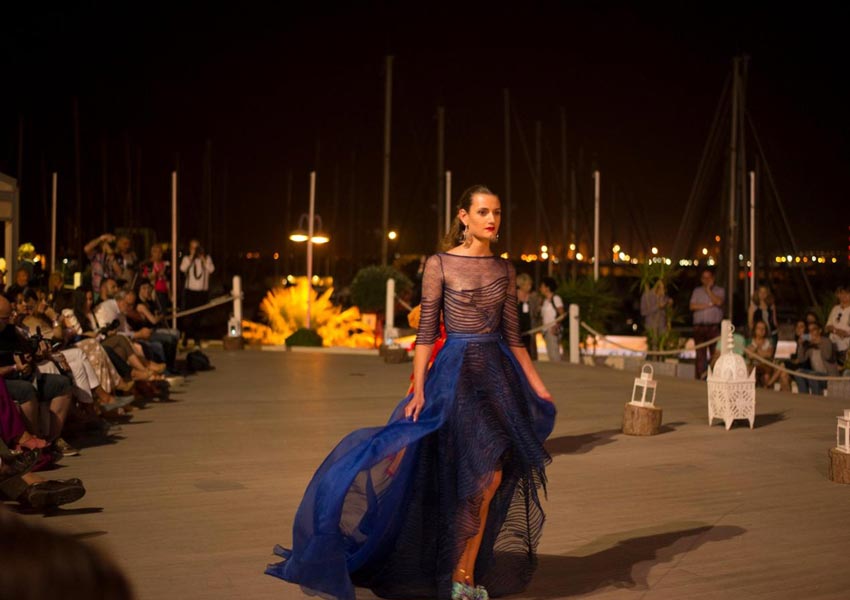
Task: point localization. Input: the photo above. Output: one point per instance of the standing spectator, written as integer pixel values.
(821, 357)
(197, 266)
(158, 271)
(706, 303)
(653, 307)
(551, 309)
(763, 308)
(125, 260)
(528, 307)
(838, 324)
(102, 257)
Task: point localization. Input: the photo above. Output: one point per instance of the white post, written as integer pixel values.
(596, 225)
(449, 215)
(78, 279)
(235, 329)
(389, 312)
(53, 223)
(174, 264)
(752, 233)
(574, 333)
(311, 217)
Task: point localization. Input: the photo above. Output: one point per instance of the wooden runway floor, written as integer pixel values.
(193, 494)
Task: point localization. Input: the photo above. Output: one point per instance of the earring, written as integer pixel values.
(496, 239)
(464, 234)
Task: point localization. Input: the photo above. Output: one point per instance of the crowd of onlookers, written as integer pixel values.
(820, 348)
(75, 362)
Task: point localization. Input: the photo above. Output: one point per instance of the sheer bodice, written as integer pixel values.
(475, 294)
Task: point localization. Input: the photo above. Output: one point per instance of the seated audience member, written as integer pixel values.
(56, 292)
(34, 392)
(21, 285)
(105, 319)
(821, 358)
(40, 319)
(838, 324)
(114, 309)
(148, 313)
(16, 481)
(762, 346)
(46, 565)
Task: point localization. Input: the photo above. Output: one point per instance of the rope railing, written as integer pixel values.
(211, 304)
(784, 369)
(596, 334)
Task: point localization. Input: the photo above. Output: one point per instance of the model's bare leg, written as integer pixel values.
(465, 570)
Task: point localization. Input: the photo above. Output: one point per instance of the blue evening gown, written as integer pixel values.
(391, 507)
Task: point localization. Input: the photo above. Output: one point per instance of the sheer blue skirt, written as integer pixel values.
(391, 508)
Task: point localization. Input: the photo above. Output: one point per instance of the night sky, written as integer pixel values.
(280, 90)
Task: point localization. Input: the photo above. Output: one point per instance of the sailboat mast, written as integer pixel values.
(733, 190)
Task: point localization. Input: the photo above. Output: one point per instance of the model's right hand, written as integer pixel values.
(414, 407)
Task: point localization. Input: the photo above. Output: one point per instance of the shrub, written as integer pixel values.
(369, 288)
(304, 337)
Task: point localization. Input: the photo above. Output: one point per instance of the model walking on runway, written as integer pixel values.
(442, 502)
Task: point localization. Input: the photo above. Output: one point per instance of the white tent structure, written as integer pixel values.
(10, 214)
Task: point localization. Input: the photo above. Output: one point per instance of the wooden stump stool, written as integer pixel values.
(839, 466)
(232, 342)
(641, 420)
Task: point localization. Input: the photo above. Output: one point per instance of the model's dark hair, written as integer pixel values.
(452, 238)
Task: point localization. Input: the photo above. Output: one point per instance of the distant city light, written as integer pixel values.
(616, 248)
(276, 255)
(572, 247)
(504, 255)
(544, 248)
(716, 238)
(705, 251)
(654, 250)
(392, 235)
(544, 255)
(579, 256)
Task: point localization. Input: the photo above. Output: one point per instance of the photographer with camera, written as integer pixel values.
(101, 252)
(197, 266)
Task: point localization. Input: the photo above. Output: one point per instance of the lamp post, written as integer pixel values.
(311, 236)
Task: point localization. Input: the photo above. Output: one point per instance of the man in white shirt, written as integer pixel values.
(838, 324)
(197, 265)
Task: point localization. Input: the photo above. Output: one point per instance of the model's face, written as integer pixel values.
(483, 218)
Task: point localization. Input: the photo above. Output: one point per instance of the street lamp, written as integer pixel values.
(311, 236)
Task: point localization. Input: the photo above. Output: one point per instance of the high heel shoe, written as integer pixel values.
(462, 591)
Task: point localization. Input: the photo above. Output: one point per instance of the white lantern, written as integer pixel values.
(645, 382)
(731, 391)
(843, 424)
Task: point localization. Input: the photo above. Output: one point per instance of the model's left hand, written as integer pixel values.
(544, 393)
